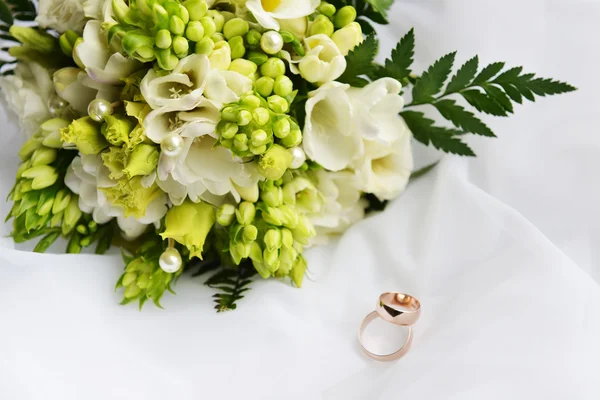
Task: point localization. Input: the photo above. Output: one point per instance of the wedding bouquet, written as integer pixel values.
(223, 136)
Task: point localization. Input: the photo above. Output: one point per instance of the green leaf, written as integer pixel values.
(398, 67)
(381, 6)
(499, 96)
(5, 14)
(432, 81)
(544, 87)
(488, 72)
(441, 138)
(46, 242)
(464, 76)
(360, 62)
(231, 283)
(423, 171)
(513, 93)
(462, 118)
(509, 76)
(483, 103)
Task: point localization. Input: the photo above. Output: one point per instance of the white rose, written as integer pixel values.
(205, 172)
(267, 12)
(69, 87)
(102, 65)
(376, 110)
(199, 121)
(328, 137)
(323, 61)
(28, 93)
(181, 89)
(86, 177)
(342, 205)
(61, 15)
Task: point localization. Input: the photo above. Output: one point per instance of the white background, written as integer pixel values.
(502, 250)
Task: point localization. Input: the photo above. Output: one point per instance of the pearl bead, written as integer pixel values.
(271, 42)
(170, 260)
(56, 105)
(99, 109)
(172, 145)
(298, 157)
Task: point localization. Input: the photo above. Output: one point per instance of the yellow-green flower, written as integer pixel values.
(132, 196)
(142, 161)
(189, 224)
(116, 129)
(85, 134)
(275, 162)
(115, 160)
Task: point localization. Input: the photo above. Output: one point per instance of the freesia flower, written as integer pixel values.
(88, 177)
(61, 15)
(348, 37)
(69, 86)
(329, 137)
(224, 87)
(267, 12)
(28, 93)
(179, 90)
(323, 61)
(100, 63)
(189, 224)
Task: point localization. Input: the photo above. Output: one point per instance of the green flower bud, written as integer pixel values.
(189, 224)
(209, 26)
(34, 39)
(217, 37)
(43, 156)
(250, 233)
(132, 291)
(273, 216)
(227, 130)
(251, 101)
(142, 161)
(278, 104)
(282, 127)
(235, 27)
(240, 251)
(249, 194)
(220, 58)
(166, 60)
(303, 193)
(287, 238)
(261, 116)
(143, 281)
(245, 213)
(139, 46)
(259, 138)
(288, 37)
(264, 86)
(205, 46)
(160, 16)
(120, 9)
(92, 226)
(230, 114)
(321, 26)
(273, 68)
(180, 46)
(22, 167)
(51, 132)
(303, 230)
(293, 139)
(347, 38)
(42, 175)
(116, 129)
(227, 143)
(258, 150)
(196, 9)
(183, 13)
(129, 278)
(61, 201)
(67, 42)
(82, 229)
(326, 9)
(244, 67)
(256, 253)
(272, 196)
(29, 147)
(272, 239)
(283, 86)
(163, 39)
(194, 31)
(237, 47)
(85, 134)
(289, 216)
(244, 118)
(240, 142)
(253, 38)
(56, 220)
(218, 19)
(271, 259)
(176, 25)
(44, 206)
(226, 214)
(275, 162)
(344, 16)
(257, 58)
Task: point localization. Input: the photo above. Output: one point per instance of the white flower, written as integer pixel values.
(225, 87)
(98, 9)
(28, 93)
(181, 89)
(377, 107)
(61, 15)
(267, 12)
(323, 61)
(342, 205)
(328, 137)
(199, 121)
(102, 65)
(205, 172)
(86, 176)
(69, 87)
(348, 37)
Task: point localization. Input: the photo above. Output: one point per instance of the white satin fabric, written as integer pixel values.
(501, 250)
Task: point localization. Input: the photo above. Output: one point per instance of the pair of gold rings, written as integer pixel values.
(399, 309)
